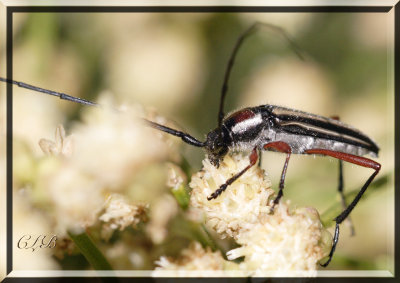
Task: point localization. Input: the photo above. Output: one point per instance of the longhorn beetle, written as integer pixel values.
(270, 127)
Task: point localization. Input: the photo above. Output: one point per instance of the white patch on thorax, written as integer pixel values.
(246, 124)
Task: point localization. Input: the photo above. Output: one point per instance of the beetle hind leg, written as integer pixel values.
(358, 160)
(340, 189)
(342, 197)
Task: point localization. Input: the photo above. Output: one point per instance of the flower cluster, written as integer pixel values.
(120, 214)
(271, 239)
(242, 204)
(193, 258)
(92, 170)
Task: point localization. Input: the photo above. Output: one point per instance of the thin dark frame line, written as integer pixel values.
(200, 9)
(168, 9)
(9, 138)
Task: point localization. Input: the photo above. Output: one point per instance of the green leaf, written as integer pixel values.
(89, 250)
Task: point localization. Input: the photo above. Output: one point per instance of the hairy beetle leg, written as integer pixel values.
(358, 160)
(253, 160)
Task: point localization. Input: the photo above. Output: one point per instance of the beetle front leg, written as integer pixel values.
(285, 148)
(253, 160)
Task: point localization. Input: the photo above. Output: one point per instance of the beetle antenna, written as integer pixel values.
(185, 137)
(61, 95)
(238, 44)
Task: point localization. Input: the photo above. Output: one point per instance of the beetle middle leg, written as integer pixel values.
(358, 160)
(285, 148)
(253, 160)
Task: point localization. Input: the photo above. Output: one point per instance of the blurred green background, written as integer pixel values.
(176, 63)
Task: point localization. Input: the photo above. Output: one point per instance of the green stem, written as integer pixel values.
(181, 194)
(328, 215)
(89, 250)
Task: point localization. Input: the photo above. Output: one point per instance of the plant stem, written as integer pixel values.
(89, 250)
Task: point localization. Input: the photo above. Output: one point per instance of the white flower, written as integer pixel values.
(193, 258)
(112, 145)
(120, 214)
(75, 197)
(175, 177)
(162, 211)
(109, 147)
(63, 145)
(276, 241)
(284, 242)
(241, 205)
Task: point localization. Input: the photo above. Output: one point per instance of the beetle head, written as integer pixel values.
(216, 145)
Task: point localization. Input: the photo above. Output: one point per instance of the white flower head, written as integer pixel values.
(162, 211)
(193, 258)
(271, 240)
(241, 205)
(108, 147)
(119, 214)
(75, 197)
(286, 241)
(111, 145)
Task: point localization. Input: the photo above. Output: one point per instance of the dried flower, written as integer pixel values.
(63, 145)
(119, 214)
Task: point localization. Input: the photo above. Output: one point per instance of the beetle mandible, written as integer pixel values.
(270, 127)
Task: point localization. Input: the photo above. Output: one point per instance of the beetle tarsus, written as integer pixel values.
(335, 241)
(278, 198)
(219, 191)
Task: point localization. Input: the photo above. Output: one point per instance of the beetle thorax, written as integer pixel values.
(246, 129)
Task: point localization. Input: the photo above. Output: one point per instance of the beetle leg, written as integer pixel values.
(358, 160)
(259, 158)
(340, 188)
(343, 199)
(285, 148)
(253, 160)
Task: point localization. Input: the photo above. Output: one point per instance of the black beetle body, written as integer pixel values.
(254, 127)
